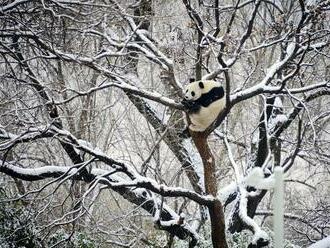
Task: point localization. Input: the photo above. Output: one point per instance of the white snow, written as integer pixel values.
(278, 119)
(140, 192)
(259, 234)
(12, 5)
(225, 192)
(36, 171)
(73, 171)
(309, 87)
(271, 71)
(170, 222)
(85, 143)
(4, 134)
(256, 178)
(278, 102)
(290, 48)
(323, 243)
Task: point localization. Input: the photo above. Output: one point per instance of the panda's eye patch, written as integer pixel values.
(186, 90)
(193, 93)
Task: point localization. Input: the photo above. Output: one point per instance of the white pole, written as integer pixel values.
(278, 205)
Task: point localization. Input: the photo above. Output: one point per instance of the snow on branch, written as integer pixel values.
(170, 221)
(258, 234)
(300, 106)
(256, 178)
(147, 183)
(6, 135)
(30, 135)
(120, 81)
(35, 174)
(136, 180)
(262, 87)
(323, 84)
(155, 96)
(12, 5)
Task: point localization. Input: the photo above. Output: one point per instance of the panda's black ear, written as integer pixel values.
(201, 85)
(191, 80)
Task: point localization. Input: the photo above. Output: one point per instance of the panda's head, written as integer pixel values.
(194, 90)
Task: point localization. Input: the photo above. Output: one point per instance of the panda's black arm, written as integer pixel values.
(207, 98)
(191, 106)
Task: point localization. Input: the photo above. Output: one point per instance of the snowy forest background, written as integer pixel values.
(91, 146)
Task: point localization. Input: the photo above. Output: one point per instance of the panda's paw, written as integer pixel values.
(190, 106)
(187, 104)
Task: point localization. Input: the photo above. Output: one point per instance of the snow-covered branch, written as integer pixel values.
(90, 102)
(12, 5)
(155, 96)
(136, 179)
(111, 179)
(259, 236)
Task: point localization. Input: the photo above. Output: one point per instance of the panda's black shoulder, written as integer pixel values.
(211, 96)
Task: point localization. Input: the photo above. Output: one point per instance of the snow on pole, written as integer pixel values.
(257, 179)
(278, 205)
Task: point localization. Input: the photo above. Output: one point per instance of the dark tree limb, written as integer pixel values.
(211, 188)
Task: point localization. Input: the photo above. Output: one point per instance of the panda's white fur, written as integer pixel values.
(204, 101)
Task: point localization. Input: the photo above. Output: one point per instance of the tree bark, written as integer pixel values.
(211, 188)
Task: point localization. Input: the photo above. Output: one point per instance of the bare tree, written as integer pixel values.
(90, 108)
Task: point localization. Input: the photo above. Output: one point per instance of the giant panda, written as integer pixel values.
(203, 102)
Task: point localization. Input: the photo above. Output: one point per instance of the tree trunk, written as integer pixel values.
(211, 188)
